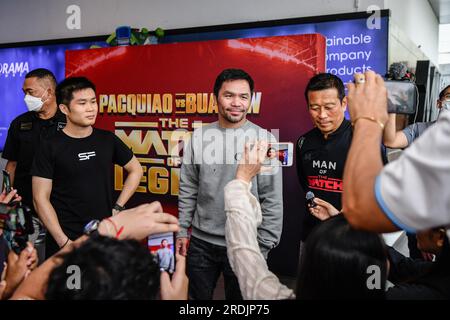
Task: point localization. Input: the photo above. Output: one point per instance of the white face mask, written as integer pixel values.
(33, 103)
(446, 105)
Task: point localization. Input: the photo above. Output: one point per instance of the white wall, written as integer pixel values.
(402, 49)
(28, 20)
(419, 23)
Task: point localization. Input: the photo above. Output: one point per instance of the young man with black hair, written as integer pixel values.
(210, 160)
(111, 270)
(42, 120)
(123, 270)
(72, 172)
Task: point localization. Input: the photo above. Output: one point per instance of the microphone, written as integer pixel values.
(310, 200)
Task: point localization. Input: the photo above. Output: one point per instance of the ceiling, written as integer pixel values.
(442, 10)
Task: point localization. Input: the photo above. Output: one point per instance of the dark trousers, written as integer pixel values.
(205, 262)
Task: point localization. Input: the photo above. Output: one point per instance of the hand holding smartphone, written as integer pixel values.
(17, 224)
(279, 154)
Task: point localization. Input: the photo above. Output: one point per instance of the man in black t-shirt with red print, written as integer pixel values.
(321, 152)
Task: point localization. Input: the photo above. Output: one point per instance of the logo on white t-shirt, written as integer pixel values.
(86, 155)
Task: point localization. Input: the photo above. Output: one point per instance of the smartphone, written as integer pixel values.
(280, 154)
(6, 182)
(17, 224)
(162, 246)
(402, 97)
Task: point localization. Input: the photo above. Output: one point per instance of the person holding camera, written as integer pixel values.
(403, 138)
(14, 268)
(411, 193)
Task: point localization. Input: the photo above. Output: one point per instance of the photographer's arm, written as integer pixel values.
(42, 189)
(391, 137)
(364, 163)
(34, 286)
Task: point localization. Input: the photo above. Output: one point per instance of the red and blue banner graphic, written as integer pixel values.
(154, 96)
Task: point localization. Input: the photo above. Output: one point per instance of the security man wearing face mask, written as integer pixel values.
(25, 132)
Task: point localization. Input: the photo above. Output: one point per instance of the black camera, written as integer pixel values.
(17, 223)
(310, 203)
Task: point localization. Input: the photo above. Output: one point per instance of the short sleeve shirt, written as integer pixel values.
(22, 143)
(81, 170)
(413, 131)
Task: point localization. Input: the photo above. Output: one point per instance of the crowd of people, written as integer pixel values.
(230, 209)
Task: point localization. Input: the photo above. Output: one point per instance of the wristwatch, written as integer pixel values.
(91, 227)
(118, 207)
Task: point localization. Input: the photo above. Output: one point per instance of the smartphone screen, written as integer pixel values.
(6, 182)
(402, 97)
(16, 223)
(279, 154)
(162, 246)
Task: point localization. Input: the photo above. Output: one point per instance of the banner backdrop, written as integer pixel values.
(153, 96)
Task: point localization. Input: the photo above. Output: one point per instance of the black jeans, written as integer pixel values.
(205, 262)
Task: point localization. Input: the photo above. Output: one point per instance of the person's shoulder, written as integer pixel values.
(250, 125)
(28, 116)
(259, 132)
(101, 133)
(428, 124)
(197, 133)
(54, 143)
(54, 138)
(205, 126)
(416, 125)
(60, 117)
(211, 125)
(309, 135)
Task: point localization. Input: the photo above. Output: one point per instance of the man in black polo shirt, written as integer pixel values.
(322, 151)
(26, 131)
